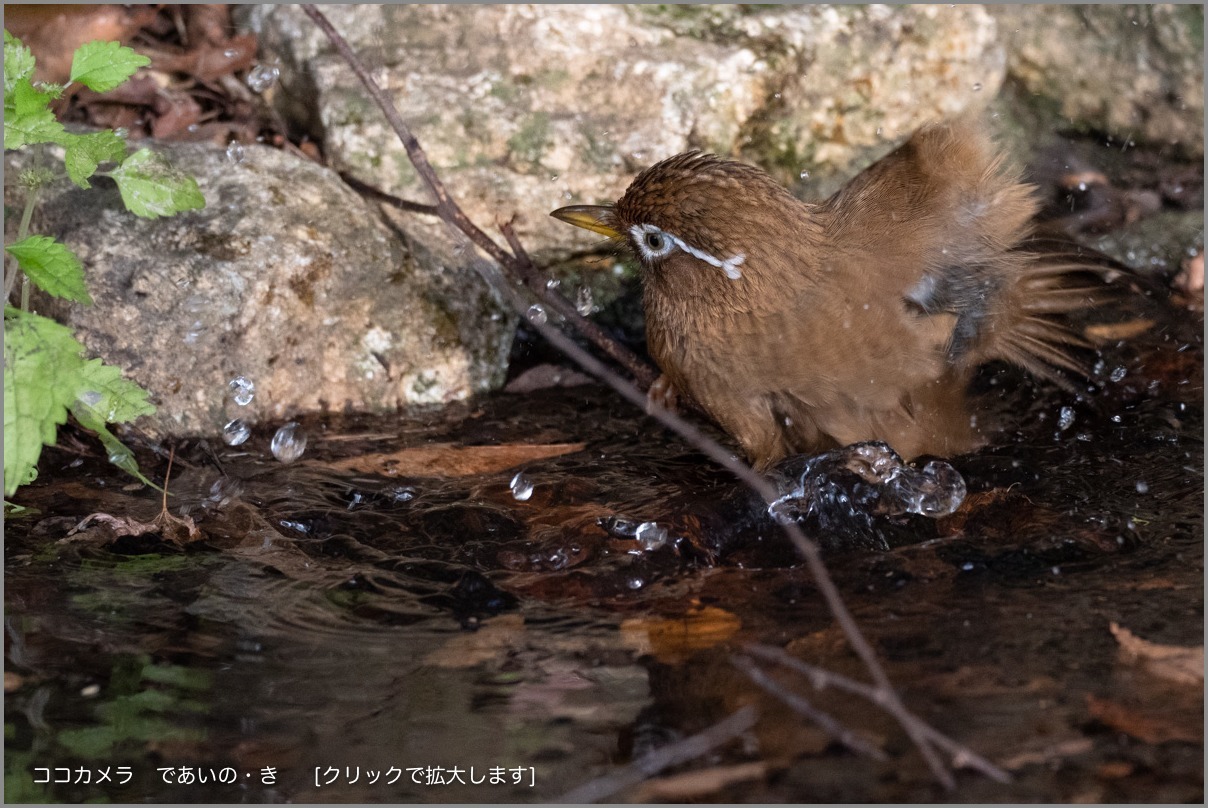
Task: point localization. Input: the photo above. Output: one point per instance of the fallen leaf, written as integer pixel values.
(1148, 724)
(1107, 332)
(53, 32)
(676, 638)
(542, 377)
(175, 529)
(453, 460)
(1049, 754)
(1175, 663)
(494, 637)
(698, 784)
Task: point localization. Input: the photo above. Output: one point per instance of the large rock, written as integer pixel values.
(525, 108)
(1134, 72)
(287, 278)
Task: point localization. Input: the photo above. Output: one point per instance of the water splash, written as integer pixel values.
(522, 487)
(289, 442)
(839, 495)
(262, 77)
(650, 536)
(536, 314)
(236, 432)
(243, 390)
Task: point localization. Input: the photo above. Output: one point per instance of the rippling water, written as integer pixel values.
(351, 625)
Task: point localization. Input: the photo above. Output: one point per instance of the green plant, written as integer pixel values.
(45, 373)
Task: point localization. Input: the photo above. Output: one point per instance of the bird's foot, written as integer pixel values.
(662, 394)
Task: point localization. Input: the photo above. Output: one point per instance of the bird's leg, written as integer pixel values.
(662, 394)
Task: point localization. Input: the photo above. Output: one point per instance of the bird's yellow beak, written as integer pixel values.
(597, 218)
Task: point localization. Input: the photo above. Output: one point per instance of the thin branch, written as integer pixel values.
(377, 194)
(827, 722)
(447, 208)
(820, 678)
(664, 757)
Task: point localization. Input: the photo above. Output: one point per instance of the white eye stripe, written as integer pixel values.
(640, 232)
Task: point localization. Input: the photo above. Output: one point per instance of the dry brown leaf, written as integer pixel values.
(1149, 724)
(53, 32)
(1107, 332)
(493, 638)
(699, 784)
(175, 529)
(1049, 754)
(453, 460)
(675, 639)
(1174, 663)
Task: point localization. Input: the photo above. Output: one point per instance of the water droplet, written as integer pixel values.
(522, 487)
(196, 329)
(236, 432)
(553, 178)
(1118, 374)
(967, 566)
(553, 283)
(289, 442)
(1142, 487)
(536, 314)
(262, 77)
(584, 303)
(230, 53)
(234, 152)
(243, 390)
(1065, 418)
(1082, 186)
(401, 493)
(878, 131)
(636, 582)
(650, 536)
(977, 86)
(805, 174)
(192, 127)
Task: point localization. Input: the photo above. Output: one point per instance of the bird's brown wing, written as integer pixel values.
(955, 223)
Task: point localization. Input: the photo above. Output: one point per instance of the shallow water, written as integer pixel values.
(349, 629)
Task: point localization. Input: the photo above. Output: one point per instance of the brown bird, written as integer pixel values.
(800, 327)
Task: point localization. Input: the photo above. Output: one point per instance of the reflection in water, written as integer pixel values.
(355, 621)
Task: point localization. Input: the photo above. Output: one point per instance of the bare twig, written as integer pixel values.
(365, 189)
(820, 678)
(448, 209)
(520, 263)
(828, 723)
(664, 757)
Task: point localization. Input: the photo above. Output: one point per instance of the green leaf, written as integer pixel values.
(45, 374)
(119, 454)
(101, 66)
(27, 117)
(151, 187)
(38, 352)
(86, 152)
(51, 266)
(114, 399)
(18, 62)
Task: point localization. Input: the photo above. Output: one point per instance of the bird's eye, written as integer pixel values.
(651, 242)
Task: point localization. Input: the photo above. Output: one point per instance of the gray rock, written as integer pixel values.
(526, 108)
(288, 278)
(1156, 244)
(1135, 72)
